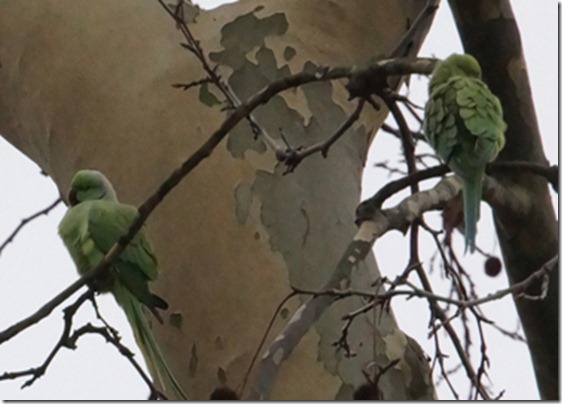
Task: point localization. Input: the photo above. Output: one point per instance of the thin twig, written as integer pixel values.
(242, 386)
(36, 372)
(292, 157)
(69, 339)
(517, 290)
(342, 342)
(213, 76)
(112, 337)
(396, 132)
(196, 83)
(440, 358)
(204, 151)
(368, 207)
(44, 310)
(26, 221)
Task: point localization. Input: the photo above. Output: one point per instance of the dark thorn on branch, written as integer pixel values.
(188, 47)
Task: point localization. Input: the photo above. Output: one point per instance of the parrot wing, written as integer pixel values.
(90, 227)
(464, 124)
(440, 123)
(137, 264)
(482, 116)
(463, 118)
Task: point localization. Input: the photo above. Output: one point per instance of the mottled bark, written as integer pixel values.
(88, 84)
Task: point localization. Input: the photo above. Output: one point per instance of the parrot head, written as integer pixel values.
(87, 185)
(455, 65)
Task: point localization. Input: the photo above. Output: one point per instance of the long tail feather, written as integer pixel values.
(146, 342)
(471, 195)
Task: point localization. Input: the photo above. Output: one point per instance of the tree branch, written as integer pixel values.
(69, 339)
(530, 238)
(27, 220)
(292, 157)
(39, 371)
(550, 173)
(385, 67)
(519, 290)
(398, 217)
(495, 193)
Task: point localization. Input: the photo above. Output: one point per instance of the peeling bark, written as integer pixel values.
(88, 84)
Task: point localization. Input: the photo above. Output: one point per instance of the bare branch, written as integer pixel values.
(293, 157)
(494, 193)
(69, 339)
(37, 372)
(26, 221)
(518, 290)
(365, 82)
(263, 96)
(396, 132)
(111, 336)
(44, 311)
(369, 231)
(366, 209)
(357, 250)
(550, 173)
(196, 83)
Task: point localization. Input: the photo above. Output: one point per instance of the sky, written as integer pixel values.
(36, 266)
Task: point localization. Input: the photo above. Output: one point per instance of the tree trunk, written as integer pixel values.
(87, 84)
(528, 238)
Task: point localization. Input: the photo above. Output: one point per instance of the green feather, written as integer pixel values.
(91, 226)
(464, 125)
(145, 339)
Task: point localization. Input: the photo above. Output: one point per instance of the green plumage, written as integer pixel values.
(90, 227)
(464, 124)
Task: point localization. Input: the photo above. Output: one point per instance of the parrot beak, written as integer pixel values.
(71, 197)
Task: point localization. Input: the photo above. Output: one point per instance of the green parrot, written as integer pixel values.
(90, 227)
(464, 125)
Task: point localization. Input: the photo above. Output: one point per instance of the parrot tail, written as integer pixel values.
(146, 342)
(471, 195)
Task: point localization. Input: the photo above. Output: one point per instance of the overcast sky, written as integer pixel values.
(36, 266)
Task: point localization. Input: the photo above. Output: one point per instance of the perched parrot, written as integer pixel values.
(90, 227)
(464, 125)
